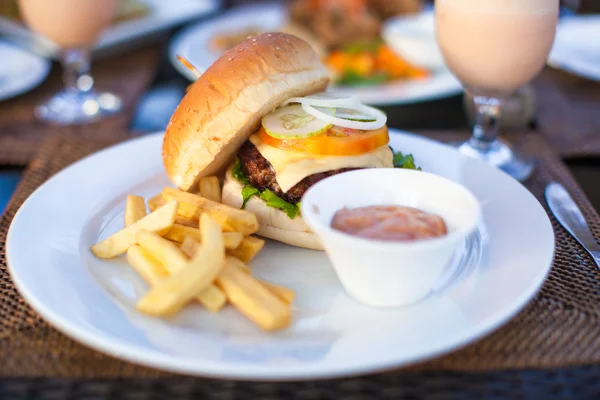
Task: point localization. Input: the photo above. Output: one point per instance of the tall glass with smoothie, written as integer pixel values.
(494, 47)
(74, 25)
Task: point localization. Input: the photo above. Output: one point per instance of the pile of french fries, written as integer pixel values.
(193, 248)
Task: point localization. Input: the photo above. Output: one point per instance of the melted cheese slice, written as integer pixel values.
(292, 166)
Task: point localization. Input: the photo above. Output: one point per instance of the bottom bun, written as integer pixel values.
(273, 223)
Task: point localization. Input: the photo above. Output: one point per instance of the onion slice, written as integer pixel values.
(292, 122)
(353, 115)
(325, 99)
(379, 116)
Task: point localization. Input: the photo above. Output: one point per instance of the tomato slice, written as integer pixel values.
(336, 141)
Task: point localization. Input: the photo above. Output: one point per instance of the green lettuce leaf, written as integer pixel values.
(270, 198)
(238, 172)
(247, 192)
(274, 201)
(367, 46)
(351, 78)
(405, 161)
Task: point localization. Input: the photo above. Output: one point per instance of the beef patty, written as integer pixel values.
(261, 174)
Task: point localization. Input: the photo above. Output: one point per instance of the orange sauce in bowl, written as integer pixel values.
(389, 223)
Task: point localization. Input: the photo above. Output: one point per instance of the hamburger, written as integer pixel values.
(260, 119)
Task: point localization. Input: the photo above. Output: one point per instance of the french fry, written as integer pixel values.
(248, 249)
(232, 240)
(212, 298)
(178, 233)
(173, 242)
(147, 267)
(236, 262)
(210, 188)
(189, 246)
(187, 222)
(170, 295)
(165, 252)
(159, 221)
(253, 299)
(231, 219)
(135, 209)
(173, 260)
(155, 202)
(285, 294)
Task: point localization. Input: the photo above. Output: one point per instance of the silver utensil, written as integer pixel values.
(571, 218)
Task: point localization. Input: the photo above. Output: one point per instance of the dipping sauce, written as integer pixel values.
(389, 223)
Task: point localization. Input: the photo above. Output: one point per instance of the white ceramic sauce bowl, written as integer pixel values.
(413, 38)
(383, 273)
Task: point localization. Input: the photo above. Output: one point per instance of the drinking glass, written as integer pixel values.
(494, 47)
(74, 25)
(518, 109)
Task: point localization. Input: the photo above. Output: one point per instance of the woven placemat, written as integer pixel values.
(567, 112)
(559, 329)
(128, 76)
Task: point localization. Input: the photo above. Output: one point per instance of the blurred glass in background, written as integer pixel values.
(74, 25)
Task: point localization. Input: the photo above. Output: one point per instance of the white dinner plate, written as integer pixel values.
(496, 273)
(163, 15)
(576, 47)
(194, 43)
(20, 70)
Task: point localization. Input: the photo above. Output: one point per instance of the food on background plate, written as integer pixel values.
(389, 8)
(336, 22)
(345, 22)
(347, 36)
(350, 30)
(273, 130)
(206, 264)
(226, 40)
(389, 223)
(369, 64)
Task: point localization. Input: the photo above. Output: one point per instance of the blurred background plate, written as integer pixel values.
(577, 46)
(20, 70)
(197, 44)
(136, 22)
